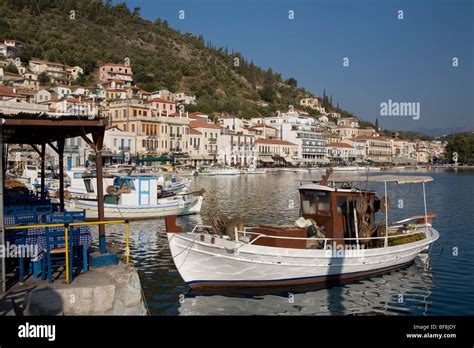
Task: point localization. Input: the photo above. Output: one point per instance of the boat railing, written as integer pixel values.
(326, 240)
(248, 231)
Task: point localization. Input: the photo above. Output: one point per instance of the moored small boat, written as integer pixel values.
(336, 239)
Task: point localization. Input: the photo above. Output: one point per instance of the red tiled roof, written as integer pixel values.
(7, 92)
(365, 137)
(262, 126)
(194, 131)
(39, 61)
(273, 142)
(159, 100)
(113, 64)
(340, 145)
(202, 124)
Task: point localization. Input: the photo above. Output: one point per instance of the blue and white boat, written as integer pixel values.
(128, 197)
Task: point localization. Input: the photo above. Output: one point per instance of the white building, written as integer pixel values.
(304, 132)
(17, 105)
(236, 148)
(119, 142)
(184, 98)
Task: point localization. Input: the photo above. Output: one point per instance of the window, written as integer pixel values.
(115, 142)
(130, 143)
(88, 185)
(134, 112)
(315, 202)
(133, 127)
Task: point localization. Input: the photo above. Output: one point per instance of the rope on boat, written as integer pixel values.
(144, 301)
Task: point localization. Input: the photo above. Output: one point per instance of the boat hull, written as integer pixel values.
(112, 211)
(226, 264)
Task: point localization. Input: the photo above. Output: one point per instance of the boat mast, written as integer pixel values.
(424, 202)
(356, 228)
(386, 216)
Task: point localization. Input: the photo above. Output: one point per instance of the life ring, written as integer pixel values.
(361, 205)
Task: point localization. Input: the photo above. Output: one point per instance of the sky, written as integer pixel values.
(407, 60)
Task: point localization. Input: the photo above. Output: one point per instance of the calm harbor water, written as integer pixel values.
(438, 284)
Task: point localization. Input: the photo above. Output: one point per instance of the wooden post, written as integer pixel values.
(42, 155)
(61, 173)
(98, 137)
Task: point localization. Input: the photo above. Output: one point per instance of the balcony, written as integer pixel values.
(71, 148)
(124, 148)
(212, 141)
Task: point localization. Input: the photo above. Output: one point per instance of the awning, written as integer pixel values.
(201, 157)
(266, 159)
(399, 179)
(155, 159)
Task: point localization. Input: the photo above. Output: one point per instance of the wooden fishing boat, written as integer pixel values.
(336, 239)
(131, 197)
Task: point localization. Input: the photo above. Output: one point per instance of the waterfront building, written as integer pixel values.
(275, 150)
(120, 144)
(210, 140)
(341, 152)
(196, 146)
(377, 148)
(302, 131)
(404, 151)
(236, 148)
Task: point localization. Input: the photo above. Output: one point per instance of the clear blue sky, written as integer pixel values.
(405, 60)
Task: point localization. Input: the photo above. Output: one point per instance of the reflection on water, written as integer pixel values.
(403, 292)
(443, 287)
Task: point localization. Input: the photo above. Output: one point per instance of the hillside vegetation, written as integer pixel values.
(161, 57)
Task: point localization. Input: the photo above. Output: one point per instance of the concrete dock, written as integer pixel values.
(110, 290)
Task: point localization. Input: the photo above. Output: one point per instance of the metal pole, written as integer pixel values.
(2, 230)
(386, 216)
(356, 228)
(66, 237)
(127, 248)
(426, 212)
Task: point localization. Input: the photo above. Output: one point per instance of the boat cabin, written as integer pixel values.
(340, 212)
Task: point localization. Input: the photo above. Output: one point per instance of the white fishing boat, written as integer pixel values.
(357, 169)
(336, 239)
(346, 169)
(129, 197)
(219, 171)
(254, 170)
